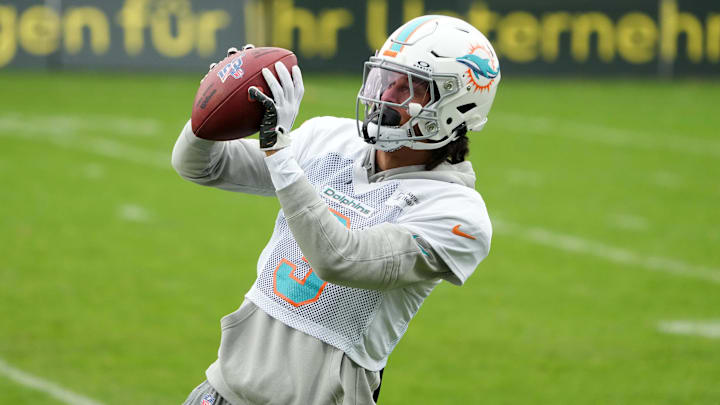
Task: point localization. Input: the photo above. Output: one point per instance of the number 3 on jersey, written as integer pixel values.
(297, 291)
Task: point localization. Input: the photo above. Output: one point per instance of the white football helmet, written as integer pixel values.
(440, 71)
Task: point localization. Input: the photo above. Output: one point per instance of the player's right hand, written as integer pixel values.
(231, 51)
(280, 110)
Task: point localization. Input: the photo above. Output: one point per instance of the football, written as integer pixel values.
(222, 109)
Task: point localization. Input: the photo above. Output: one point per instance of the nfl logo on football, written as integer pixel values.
(208, 400)
(231, 69)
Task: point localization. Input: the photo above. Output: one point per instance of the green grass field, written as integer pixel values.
(602, 285)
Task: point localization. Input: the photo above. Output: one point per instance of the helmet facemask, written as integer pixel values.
(391, 92)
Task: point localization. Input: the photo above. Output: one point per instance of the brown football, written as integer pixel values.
(222, 109)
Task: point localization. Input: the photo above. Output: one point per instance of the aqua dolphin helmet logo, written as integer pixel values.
(478, 66)
(482, 65)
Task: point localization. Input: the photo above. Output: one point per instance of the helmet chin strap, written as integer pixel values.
(376, 129)
(390, 118)
(390, 129)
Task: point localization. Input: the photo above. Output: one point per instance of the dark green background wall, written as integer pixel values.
(642, 37)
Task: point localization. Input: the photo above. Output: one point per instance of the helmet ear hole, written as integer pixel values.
(466, 107)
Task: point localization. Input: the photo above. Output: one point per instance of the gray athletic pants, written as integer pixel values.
(206, 392)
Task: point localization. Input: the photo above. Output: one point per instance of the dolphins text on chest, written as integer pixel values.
(332, 194)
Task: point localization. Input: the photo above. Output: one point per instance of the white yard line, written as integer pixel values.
(708, 329)
(607, 135)
(99, 146)
(575, 244)
(667, 180)
(50, 388)
(119, 150)
(133, 213)
(62, 124)
(63, 131)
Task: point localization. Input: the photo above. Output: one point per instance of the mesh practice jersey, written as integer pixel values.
(364, 323)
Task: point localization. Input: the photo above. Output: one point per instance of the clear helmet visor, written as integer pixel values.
(394, 88)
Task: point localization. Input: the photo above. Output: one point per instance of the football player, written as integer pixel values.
(376, 211)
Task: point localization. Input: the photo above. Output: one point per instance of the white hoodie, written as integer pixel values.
(353, 256)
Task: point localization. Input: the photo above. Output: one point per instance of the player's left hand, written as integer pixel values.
(280, 110)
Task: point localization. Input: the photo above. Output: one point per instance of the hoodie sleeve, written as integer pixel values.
(381, 257)
(235, 165)
(458, 228)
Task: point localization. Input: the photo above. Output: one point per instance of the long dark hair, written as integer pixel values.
(454, 152)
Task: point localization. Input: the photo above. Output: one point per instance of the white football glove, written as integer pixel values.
(280, 110)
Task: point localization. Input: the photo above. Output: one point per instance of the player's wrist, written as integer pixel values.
(284, 169)
(274, 140)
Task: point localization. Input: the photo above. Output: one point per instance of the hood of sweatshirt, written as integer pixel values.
(460, 173)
